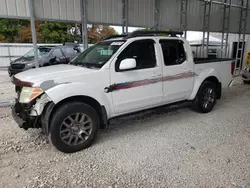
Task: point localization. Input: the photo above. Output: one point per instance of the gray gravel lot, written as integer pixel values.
(7, 93)
(160, 148)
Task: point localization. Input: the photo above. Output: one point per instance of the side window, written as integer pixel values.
(64, 51)
(57, 53)
(143, 51)
(173, 52)
(70, 51)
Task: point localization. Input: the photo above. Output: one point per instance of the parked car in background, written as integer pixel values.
(246, 75)
(48, 55)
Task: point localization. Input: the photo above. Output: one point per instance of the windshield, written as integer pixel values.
(41, 52)
(96, 56)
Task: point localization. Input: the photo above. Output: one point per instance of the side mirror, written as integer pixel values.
(127, 64)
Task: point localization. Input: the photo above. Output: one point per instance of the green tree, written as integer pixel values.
(52, 32)
(2, 38)
(13, 30)
(25, 34)
(97, 33)
(9, 28)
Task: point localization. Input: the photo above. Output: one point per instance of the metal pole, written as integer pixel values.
(184, 17)
(221, 3)
(241, 41)
(123, 16)
(204, 30)
(228, 26)
(206, 27)
(244, 32)
(123, 30)
(33, 30)
(186, 21)
(126, 25)
(84, 25)
(9, 52)
(157, 15)
(225, 28)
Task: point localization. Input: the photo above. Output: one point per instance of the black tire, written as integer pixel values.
(59, 117)
(199, 103)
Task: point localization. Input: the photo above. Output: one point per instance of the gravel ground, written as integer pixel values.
(160, 148)
(7, 93)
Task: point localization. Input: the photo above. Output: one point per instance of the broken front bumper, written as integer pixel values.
(20, 113)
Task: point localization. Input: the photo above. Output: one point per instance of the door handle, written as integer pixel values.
(187, 70)
(156, 75)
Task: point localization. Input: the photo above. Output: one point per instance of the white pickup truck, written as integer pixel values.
(117, 76)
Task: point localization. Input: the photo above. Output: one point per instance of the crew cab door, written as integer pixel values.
(69, 53)
(58, 56)
(178, 75)
(137, 88)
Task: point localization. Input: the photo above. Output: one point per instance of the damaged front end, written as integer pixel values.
(21, 114)
(29, 105)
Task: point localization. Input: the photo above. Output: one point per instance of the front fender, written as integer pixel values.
(66, 90)
(199, 79)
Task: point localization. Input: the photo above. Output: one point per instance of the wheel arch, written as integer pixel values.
(217, 83)
(51, 108)
(208, 75)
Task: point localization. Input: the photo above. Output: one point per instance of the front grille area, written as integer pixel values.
(17, 66)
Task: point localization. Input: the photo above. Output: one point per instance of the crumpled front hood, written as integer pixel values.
(29, 60)
(40, 75)
(23, 60)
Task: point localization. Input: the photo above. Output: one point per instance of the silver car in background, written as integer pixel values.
(246, 75)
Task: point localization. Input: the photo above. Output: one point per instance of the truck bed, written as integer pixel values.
(210, 60)
(221, 65)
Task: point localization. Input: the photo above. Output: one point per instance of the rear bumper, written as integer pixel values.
(20, 113)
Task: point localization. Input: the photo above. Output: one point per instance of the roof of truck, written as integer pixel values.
(145, 34)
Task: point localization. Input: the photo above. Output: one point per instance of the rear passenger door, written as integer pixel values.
(69, 53)
(141, 87)
(178, 76)
(58, 56)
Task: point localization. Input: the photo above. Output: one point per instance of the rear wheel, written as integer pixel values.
(74, 127)
(205, 99)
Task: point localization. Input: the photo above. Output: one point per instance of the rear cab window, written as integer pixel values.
(173, 52)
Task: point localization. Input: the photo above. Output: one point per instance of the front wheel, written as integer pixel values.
(205, 99)
(74, 127)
